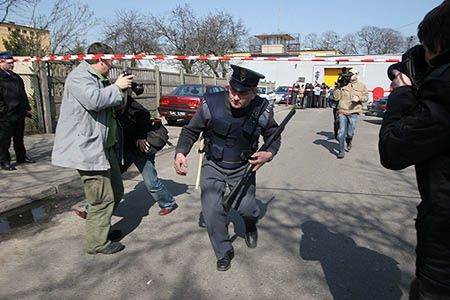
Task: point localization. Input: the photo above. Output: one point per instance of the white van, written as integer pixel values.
(266, 92)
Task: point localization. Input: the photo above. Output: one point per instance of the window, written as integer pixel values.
(189, 90)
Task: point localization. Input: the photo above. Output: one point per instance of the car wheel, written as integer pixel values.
(171, 121)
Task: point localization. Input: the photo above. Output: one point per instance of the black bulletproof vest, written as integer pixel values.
(232, 135)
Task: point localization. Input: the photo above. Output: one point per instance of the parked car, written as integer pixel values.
(266, 92)
(378, 107)
(281, 94)
(183, 101)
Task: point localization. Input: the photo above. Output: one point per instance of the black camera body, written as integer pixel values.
(413, 65)
(344, 79)
(137, 88)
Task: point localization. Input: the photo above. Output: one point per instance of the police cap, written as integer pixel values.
(244, 79)
(6, 55)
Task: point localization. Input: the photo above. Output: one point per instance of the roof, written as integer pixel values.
(12, 24)
(283, 36)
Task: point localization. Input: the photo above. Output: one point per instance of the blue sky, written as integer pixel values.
(296, 17)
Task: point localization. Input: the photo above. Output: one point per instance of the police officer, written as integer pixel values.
(231, 123)
(14, 107)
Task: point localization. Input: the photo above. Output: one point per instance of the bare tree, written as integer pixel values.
(131, 32)
(329, 40)
(349, 44)
(218, 34)
(178, 30)
(410, 41)
(67, 22)
(389, 41)
(183, 33)
(368, 38)
(14, 6)
(311, 41)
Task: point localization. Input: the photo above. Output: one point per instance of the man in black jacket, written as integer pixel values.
(14, 107)
(416, 131)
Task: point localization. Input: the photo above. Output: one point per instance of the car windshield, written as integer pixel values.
(189, 90)
(281, 89)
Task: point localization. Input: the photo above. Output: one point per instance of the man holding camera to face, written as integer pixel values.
(416, 131)
(351, 94)
(86, 139)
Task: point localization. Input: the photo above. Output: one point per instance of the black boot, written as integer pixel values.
(224, 263)
(251, 234)
(201, 221)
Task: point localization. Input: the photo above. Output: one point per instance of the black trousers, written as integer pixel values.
(14, 130)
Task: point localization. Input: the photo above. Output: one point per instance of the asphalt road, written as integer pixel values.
(331, 229)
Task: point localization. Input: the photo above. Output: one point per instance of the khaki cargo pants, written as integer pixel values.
(103, 191)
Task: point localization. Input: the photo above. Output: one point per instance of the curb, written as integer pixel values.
(33, 194)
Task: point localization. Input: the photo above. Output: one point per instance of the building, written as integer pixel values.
(43, 35)
(312, 69)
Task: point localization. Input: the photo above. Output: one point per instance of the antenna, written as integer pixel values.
(278, 17)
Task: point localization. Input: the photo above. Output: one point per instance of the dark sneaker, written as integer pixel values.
(349, 146)
(167, 210)
(340, 155)
(111, 248)
(7, 166)
(224, 263)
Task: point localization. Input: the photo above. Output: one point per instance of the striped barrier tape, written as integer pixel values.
(200, 58)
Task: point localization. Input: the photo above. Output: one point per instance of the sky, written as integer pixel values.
(283, 16)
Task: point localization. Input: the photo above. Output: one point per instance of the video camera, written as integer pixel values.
(344, 79)
(137, 88)
(413, 65)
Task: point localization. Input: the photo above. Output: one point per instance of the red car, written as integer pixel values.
(182, 103)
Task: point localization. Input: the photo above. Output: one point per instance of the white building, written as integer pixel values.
(373, 74)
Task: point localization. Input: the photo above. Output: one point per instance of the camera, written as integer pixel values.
(344, 79)
(137, 88)
(413, 65)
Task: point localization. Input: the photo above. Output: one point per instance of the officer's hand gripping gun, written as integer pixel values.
(237, 189)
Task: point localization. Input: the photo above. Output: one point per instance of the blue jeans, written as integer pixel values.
(146, 165)
(347, 125)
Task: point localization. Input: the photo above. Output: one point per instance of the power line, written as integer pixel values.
(406, 25)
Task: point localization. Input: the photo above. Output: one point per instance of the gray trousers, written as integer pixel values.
(214, 181)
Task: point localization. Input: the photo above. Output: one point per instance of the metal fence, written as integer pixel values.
(45, 87)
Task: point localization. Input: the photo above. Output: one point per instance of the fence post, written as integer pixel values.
(200, 78)
(215, 79)
(181, 76)
(48, 118)
(158, 85)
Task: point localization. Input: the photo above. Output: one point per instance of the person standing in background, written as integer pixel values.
(14, 107)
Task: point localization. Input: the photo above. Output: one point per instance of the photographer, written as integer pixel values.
(416, 131)
(87, 139)
(351, 95)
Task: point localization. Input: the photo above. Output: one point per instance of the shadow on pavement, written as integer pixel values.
(332, 147)
(351, 272)
(238, 222)
(137, 203)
